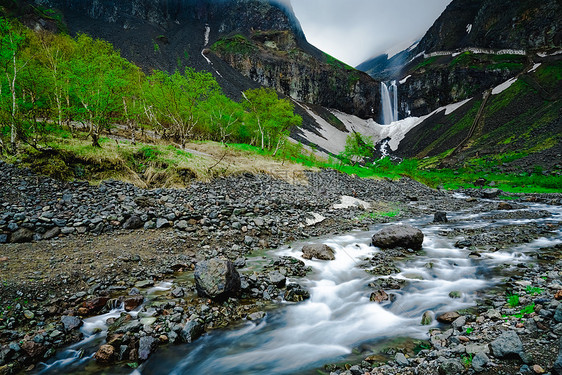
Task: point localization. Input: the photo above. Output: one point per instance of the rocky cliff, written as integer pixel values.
(170, 34)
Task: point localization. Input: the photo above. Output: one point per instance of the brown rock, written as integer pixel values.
(538, 369)
(318, 251)
(95, 304)
(82, 311)
(558, 295)
(132, 302)
(379, 296)
(464, 339)
(448, 317)
(105, 354)
(505, 206)
(34, 349)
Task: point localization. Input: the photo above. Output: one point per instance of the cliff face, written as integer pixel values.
(275, 59)
(171, 34)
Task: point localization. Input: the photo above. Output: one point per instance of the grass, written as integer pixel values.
(513, 300)
(236, 45)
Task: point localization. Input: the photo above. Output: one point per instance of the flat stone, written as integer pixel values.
(318, 251)
(401, 359)
(448, 317)
(394, 236)
(191, 331)
(506, 345)
(70, 322)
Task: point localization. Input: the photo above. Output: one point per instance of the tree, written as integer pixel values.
(174, 100)
(357, 148)
(270, 117)
(224, 115)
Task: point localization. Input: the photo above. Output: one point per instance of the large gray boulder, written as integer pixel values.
(318, 251)
(508, 344)
(217, 279)
(394, 236)
(147, 344)
(191, 331)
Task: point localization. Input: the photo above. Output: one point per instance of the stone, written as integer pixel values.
(68, 230)
(162, 223)
(451, 367)
(379, 296)
(51, 233)
(259, 315)
(96, 304)
(33, 349)
(21, 235)
(178, 293)
(133, 222)
(440, 217)
(3, 238)
(147, 344)
(538, 369)
(394, 236)
(479, 361)
(557, 367)
(455, 294)
(28, 314)
(217, 279)
(459, 322)
(144, 283)
(318, 251)
(104, 354)
(490, 193)
(132, 302)
(461, 244)
(448, 317)
(71, 322)
(401, 359)
(181, 225)
(504, 206)
(427, 318)
(558, 314)
(508, 344)
(295, 293)
(277, 279)
(191, 331)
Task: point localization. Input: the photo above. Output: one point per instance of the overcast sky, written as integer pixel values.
(356, 30)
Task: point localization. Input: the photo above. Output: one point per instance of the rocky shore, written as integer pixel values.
(69, 250)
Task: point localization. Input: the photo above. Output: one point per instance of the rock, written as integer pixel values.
(68, 230)
(451, 367)
(440, 217)
(394, 236)
(131, 302)
(448, 317)
(427, 318)
(162, 223)
(178, 293)
(51, 233)
(508, 344)
(558, 314)
(459, 322)
(455, 294)
(147, 344)
(105, 354)
(144, 283)
(277, 279)
(21, 235)
(259, 315)
(460, 244)
(191, 331)
(295, 293)
(71, 322)
(505, 206)
(401, 359)
(479, 361)
(181, 225)
(34, 349)
(3, 238)
(28, 314)
(318, 251)
(558, 295)
(134, 222)
(490, 193)
(379, 296)
(217, 279)
(538, 369)
(96, 304)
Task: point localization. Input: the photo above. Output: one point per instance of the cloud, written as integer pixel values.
(356, 30)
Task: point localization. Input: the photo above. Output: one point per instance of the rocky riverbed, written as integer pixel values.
(69, 250)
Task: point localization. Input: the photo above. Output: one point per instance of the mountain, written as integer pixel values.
(501, 62)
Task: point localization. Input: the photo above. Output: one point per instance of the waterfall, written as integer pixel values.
(389, 103)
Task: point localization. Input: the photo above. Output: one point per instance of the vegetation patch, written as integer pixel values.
(234, 45)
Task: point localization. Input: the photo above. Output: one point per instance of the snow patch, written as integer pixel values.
(535, 67)
(207, 34)
(453, 107)
(403, 80)
(504, 86)
(544, 54)
(468, 28)
(396, 49)
(347, 202)
(316, 218)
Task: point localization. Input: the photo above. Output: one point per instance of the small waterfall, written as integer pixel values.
(389, 102)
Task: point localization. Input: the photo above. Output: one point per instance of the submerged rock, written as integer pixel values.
(217, 279)
(394, 236)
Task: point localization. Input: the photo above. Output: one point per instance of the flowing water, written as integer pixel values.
(297, 338)
(389, 103)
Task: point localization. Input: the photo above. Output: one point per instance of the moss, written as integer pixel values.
(234, 45)
(426, 62)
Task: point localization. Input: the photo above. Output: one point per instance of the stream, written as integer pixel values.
(339, 317)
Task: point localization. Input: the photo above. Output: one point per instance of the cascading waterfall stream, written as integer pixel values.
(389, 102)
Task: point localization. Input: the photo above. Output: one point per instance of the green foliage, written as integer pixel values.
(533, 290)
(513, 300)
(357, 148)
(469, 330)
(467, 360)
(426, 62)
(330, 60)
(235, 45)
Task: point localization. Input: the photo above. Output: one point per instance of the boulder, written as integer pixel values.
(448, 317)
(71, 322)
(217, 279)
(318, 251)
(490, 193)
(379, 296)
(440, 217)
(131, 302)
(147, 344)
(558, 313)
(51, 233)
(508, 344)
(277, 279)
(95, 304)
(134, 222)
(451, 367)
(295, 293)
(34, 349)
(427, 318)
(504, 206)
(191, 331)
(105, 354)
(479, 361)
(394, 236)
(401, 359)
(21, 235)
